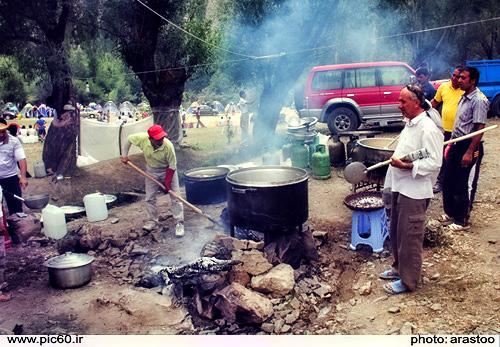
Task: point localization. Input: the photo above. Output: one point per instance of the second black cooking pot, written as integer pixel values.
(267, 198)
(206, 185)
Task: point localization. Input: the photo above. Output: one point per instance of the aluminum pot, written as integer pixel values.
(267, 198)
(373, 150)
(206, 185)
(70, 270)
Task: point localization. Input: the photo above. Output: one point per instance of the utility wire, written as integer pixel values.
(188, 33)
(281, 54)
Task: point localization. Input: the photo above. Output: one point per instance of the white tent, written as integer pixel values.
(101, 141)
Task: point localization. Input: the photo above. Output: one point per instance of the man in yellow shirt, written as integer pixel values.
(161, 164)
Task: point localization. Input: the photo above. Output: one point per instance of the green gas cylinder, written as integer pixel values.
(300, 155)
(286, 150)
(321, 163)
(312, 149)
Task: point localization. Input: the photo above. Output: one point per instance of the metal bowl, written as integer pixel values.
(365, 201)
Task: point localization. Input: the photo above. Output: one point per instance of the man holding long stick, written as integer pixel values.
(161, 165)
(463, 159)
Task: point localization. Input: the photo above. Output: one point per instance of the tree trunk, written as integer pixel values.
(59, 150)
(170, 120)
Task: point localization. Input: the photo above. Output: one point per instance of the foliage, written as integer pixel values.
(13, 88)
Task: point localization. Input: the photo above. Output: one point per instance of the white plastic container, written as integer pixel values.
(95, 207)
(54, 222)
(39, 169)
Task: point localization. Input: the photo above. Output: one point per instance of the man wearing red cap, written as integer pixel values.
(161, 164)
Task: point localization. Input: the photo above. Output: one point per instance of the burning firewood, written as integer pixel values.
(199, 267)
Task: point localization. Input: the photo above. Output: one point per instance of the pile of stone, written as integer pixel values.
(244, 287)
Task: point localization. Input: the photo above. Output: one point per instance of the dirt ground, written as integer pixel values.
(460, 293)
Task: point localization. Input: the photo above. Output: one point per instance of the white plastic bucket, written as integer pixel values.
(95, 207)
(39, 169)
(54, 222)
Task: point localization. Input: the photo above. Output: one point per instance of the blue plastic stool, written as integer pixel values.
(369, 228)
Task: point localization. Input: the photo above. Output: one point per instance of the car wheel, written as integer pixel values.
(495, 106)
(342, 119)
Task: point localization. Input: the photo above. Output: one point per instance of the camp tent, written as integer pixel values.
(126, 108)
(217, 106)
(192, 108)
(111, 107)
(26, 109)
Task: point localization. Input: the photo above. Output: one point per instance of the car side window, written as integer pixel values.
(359, 78)
(326, 80)
(366, 77)
(394, 75)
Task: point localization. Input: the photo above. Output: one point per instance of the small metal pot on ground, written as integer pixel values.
(70, 270)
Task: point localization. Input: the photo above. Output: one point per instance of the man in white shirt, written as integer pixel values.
(245, 116)
(12, 153)
(410, 184)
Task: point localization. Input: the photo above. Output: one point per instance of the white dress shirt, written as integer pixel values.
(417, 183)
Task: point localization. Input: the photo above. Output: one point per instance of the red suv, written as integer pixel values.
(346, 95)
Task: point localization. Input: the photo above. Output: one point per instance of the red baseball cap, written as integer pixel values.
(156, 132)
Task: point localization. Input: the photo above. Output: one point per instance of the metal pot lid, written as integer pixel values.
(207, 172)
(267, 176)
(69, 260)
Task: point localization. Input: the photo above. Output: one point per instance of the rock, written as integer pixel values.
(118, 240)
(22, 228)
(380, 298)
(281, 314)
(278, 325)
(436, 307)
(295, 303)
(286, 328)
(278, 281)
(321, 237)
(239, 276)
(292, 317)
(435, 276)
(393, 309)
(352, 302)
(267, 327)
(241, 305)
(366, 289)
(407, 329)
(114, 220)
(90, 236)
(323, 291)
(253, 262)
(323, 313)
(138, 250)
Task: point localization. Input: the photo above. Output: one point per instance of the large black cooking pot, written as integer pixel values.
(267, 198)
(206, 185)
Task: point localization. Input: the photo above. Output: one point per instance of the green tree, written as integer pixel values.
(40, 28)
(158, 48)
(12, 85)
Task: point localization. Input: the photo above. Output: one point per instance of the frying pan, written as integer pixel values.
(357, 171)
(34, 202)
